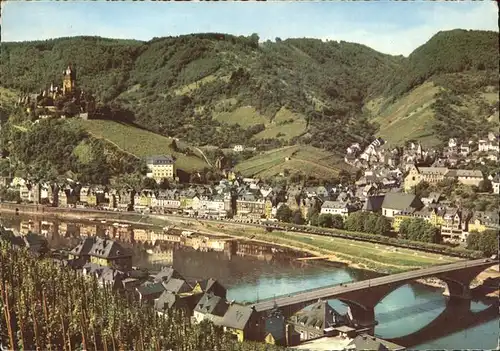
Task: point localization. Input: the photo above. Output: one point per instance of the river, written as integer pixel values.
(254, 271)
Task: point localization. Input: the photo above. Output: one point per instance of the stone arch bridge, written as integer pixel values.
(363, 296)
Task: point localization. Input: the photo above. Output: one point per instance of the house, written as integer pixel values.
(166, 200)
(208, 306)
(373, 203)
(112, 278)
(46, 194)
(241, 321)
(466, 177)
(482, 221)
(82, 250)
(177, 286)
(428, 174)
(336, 208)
(495, 183)
(275, 329)
(368, 342)
(167, 273)
(211, 286)
(186, 197)
(432, 199)
(36, 244)
(238, 148)
(161, 167)
(397, 203)
(483, 145)
(143, 200)
(149, 291)
(83, 196)
(451, 229)
(248, 205)
(104, 252)
(169, 300)
(311, 323)
(464, 150)
(125, 199)
(28, 192)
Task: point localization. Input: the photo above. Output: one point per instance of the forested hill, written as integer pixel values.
(218, 89)
(447, 52)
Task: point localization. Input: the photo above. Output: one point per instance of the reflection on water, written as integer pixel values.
(255, 271)
(481, 337)
(408, 309)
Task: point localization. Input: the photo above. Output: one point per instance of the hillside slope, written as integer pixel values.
(454, 105)
(142, 143)
(198, 87)
(219, 89)
(452, 80)
(303, 160)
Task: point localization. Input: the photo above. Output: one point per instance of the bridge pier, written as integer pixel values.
(462, 293)
(362, 317)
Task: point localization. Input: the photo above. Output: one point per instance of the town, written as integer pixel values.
(322, 178)
(418, 184)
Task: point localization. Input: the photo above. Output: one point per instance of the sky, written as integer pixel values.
(390, 27)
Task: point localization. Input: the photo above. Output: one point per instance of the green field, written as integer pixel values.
(244, 116)
(410, 117)
(285, 125)
(139, 142)
(296, 159)
(189, 88)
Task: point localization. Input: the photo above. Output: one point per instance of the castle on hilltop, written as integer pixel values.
(67, 100)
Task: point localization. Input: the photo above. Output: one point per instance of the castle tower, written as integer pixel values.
(69, 80)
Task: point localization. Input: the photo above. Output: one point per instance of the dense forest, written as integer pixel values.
(221, 90)
(177, 86)
(53, 150)
(49, 307)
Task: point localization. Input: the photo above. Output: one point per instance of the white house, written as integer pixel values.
(336, 208)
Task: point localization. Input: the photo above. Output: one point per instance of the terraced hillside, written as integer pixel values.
(460, 105)
(142, 143)
(305, 160)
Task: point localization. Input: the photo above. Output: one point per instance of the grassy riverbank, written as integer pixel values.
(378, 258)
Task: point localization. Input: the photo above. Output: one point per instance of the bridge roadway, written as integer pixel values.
(330, 291)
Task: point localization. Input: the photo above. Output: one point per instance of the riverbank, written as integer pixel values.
(377, 258)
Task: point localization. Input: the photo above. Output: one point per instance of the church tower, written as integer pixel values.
(69, 80)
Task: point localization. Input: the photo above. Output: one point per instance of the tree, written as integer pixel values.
(382, 225)
(297, 217)
(487, 242)
(284, 214)
(337, 221)
(174, 146)
(325, 220)
(164, 184)
(485, 186)
(417, 229)
(254, 40)
(370, 220)
(356, 221)
(70, 109)
(422, 189)
(313, 219)
(313, 213)
(149, 183)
